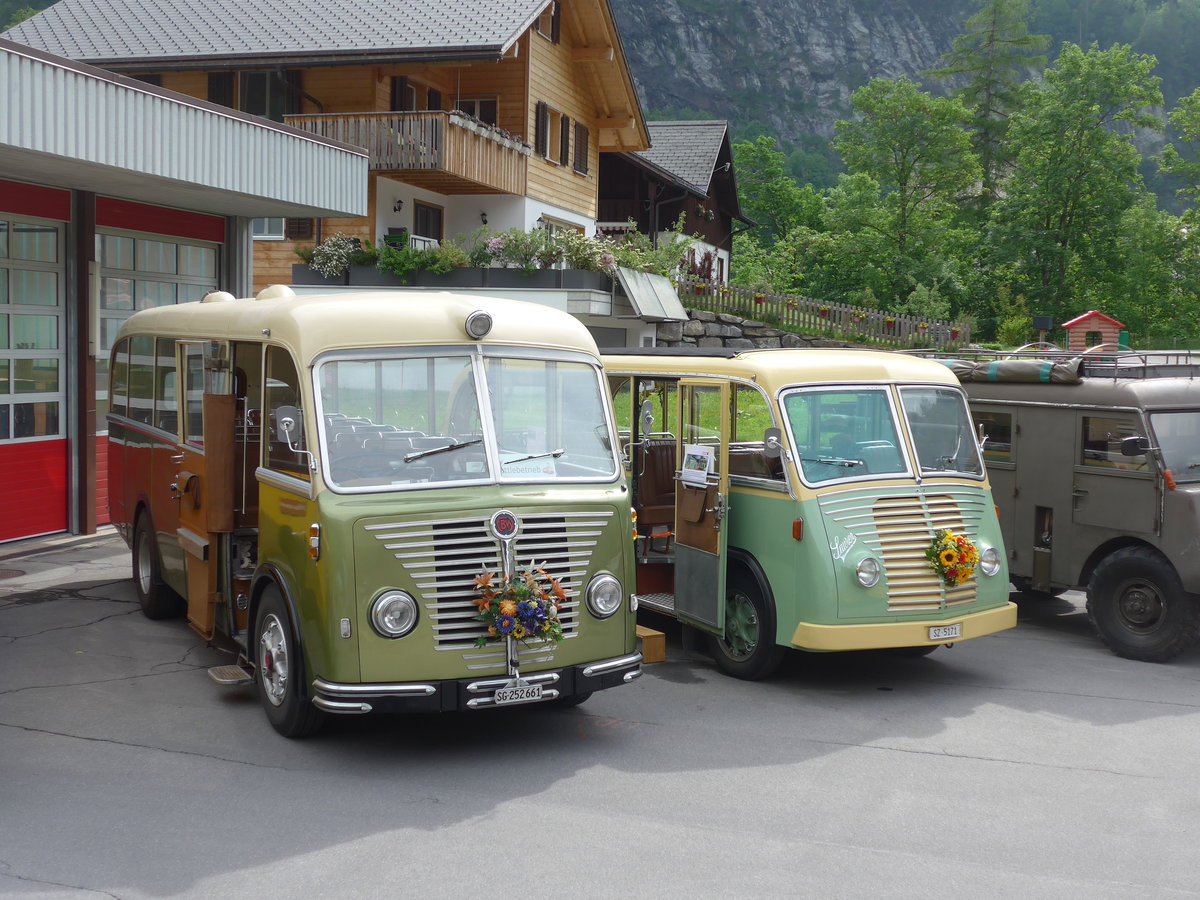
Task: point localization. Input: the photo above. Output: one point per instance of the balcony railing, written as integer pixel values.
(442, 151)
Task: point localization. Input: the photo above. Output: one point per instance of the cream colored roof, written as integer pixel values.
(314, 324)
(775, 369)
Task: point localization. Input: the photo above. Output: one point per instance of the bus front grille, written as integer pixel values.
(443, 557)
(899, 527)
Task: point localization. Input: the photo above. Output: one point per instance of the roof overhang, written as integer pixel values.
(113, 135)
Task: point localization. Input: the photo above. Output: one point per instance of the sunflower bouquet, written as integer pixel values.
(952, 556)
(523, 606)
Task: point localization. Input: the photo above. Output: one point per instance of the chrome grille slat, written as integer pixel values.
(899, 527)
(444, 556)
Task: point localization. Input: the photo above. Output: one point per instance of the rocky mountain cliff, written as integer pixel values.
(787, 65)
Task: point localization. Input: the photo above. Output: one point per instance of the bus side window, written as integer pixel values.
(283, 389)
(751, 419)
(141, 379)
(118, 392)
(166, 400)
(1100, 444)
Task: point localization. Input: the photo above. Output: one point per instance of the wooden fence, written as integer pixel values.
(835, 320)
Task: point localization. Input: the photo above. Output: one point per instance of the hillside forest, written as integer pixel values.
(1003, 196)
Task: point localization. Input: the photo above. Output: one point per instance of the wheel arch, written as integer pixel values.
(265, 576)
(1108, 548)
(744, 560)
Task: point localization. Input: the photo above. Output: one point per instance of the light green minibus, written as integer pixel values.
(812, 499)
(377, 502)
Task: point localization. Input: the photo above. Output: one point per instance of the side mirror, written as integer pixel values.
(1134, 446)
(772, 443)
(647, 416)
(289, 427)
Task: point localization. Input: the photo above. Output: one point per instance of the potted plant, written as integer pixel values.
(823, 312)
(328, 262)
(759, 297)
(954, 334)
(889, 322)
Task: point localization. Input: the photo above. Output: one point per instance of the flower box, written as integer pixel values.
(302, 273)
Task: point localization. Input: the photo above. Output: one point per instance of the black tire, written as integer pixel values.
(747, 649)
(156, 599)
(279, 669)
(1139, 607)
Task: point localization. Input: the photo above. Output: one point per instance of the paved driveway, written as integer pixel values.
(1032, 763)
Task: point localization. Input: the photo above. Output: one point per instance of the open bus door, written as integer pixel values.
(204, 475)
(701, 497)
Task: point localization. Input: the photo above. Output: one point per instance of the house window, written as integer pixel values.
(154, 79)
(482, 109)
(427, 223)
(581, 148)
(269, 95)
(404, 94)
(549, 22)
(220, 88)
(435, 99)
(267, 229)
(552, 134)
(553, 229)
(298, 229)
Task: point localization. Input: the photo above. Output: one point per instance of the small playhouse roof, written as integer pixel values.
(1091, 313)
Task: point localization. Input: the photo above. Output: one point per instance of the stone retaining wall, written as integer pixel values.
(709, 329)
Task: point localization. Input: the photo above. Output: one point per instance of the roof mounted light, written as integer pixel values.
(478, 324)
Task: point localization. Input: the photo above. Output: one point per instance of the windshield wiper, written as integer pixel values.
(555, 453)
(833, 461)
(421, 454)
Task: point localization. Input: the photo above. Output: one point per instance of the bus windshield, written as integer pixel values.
(1178, 434)
(388, 423)
(941, 430)
(843, 433)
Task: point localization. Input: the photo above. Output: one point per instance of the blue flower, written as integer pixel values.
(505, 624)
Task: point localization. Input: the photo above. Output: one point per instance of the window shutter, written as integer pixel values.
(541, 129)
(555, 21)
(581, 148)
(564, 141)
(435, 99)
(400, 94)
(220, 88)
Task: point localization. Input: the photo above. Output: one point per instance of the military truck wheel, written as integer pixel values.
(747, 649)
(279, 667)
(1139, 606)
(156, 599)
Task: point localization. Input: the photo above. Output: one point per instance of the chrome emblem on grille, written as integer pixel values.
(504, 525)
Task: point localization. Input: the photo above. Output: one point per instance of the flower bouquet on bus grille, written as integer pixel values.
(952, 556)
(522, 606)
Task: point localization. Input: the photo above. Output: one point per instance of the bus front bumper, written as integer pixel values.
(472, 693)
(883, 635)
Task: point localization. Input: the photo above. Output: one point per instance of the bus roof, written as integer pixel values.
(778, 368)
(317, 323)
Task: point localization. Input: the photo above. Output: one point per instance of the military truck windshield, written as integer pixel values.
(1178, 434)
(941, 430)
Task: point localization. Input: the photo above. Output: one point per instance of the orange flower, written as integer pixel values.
(508, 607)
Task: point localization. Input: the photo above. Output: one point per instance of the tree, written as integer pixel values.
(767, 195)
(1185, 166)
(989, 59)
(1075, 175)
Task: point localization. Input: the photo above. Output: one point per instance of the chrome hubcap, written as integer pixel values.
(741, 626)
(273, 659)
(143, 562)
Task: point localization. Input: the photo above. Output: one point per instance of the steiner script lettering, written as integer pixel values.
(842, 546)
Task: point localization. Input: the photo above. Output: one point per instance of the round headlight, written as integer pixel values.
(478, 324)
(867, 571)
(989, 561)
(603, 596)
(393, 614)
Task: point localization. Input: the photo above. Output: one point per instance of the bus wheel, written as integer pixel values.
(278, 667)
(1139, 606)
(156, 599)
(747, 649)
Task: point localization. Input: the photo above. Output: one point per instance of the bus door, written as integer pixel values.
(701, 501)
(204, 474)
(1113, 484)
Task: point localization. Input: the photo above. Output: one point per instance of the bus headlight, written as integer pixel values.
(989, 561)
(603, 596)
(393, 614)
(867, 571)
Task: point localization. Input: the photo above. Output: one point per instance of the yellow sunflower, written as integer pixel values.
(948, 557)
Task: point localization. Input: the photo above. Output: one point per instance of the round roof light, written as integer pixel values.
(478, 324)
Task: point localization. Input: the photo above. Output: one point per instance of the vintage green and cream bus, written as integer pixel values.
(379, 502)
(820, 500)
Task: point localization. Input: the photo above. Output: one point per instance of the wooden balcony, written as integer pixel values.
(435, 150)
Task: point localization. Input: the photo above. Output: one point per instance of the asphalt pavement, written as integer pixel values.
(1030, 764)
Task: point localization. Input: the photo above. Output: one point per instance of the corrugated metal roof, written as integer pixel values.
(131, 30)
(688, 150)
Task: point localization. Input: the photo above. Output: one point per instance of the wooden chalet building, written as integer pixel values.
(688, 172)
(473, 112)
